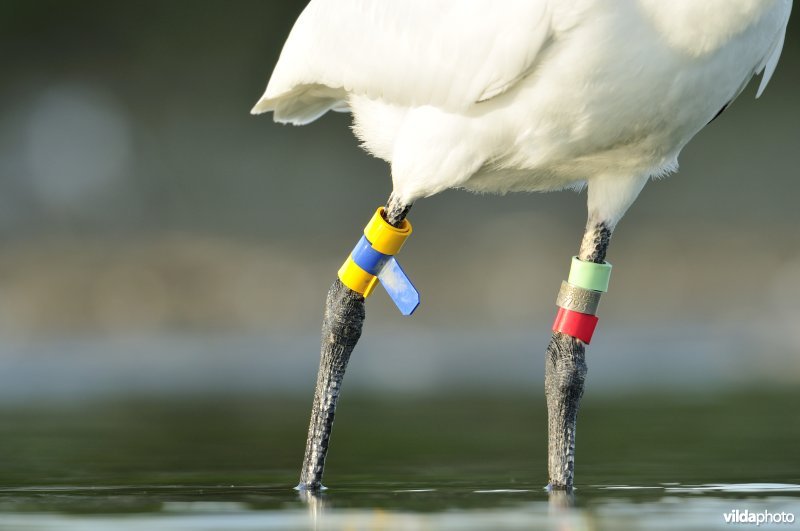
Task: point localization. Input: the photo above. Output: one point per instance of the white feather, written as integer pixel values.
(448, 53)
(771, 62)
(525, 94)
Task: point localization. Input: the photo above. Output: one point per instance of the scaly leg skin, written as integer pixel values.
(565, 374)
(341, 330)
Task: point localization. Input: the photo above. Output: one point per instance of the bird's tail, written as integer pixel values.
(302, 104)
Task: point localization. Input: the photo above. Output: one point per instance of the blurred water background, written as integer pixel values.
(159, 243)
(154, 235)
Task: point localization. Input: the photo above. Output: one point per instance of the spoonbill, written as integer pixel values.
(518, 95)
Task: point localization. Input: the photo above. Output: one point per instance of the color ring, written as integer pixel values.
(575, 324)
(356, 278)
(385, 238)
(367, 258)
(589, 275)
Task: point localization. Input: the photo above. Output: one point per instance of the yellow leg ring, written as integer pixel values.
(385, 238)
(356, 278)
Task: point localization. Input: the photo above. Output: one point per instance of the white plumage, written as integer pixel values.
(525, 95)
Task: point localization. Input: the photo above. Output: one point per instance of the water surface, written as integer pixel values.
(402, 462)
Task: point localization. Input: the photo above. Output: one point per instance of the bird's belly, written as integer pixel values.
(572, 166)
(499, 151)
(627, 117)
(595, 107)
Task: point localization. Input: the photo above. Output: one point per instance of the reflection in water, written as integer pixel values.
(563, 513)
(316, 502)
(374, 506)
(560, 500)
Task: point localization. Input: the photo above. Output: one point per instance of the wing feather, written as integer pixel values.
(448, 53)
(770, 63)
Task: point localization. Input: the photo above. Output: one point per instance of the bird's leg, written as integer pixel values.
(396, 211)
(565, 372)
(341, 329)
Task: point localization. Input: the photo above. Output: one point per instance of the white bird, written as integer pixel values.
(518, 95)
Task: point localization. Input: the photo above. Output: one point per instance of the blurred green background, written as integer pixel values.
(156, 238)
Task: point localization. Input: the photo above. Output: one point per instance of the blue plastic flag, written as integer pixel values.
(399, 287)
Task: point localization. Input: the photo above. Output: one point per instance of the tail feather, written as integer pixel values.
(302, 104)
